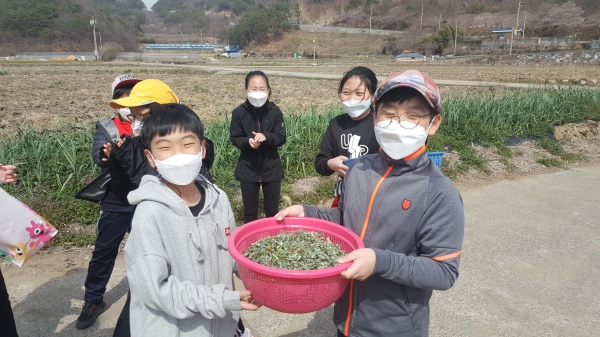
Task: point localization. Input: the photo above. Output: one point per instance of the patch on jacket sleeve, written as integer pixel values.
(227, 231)
(406, 204)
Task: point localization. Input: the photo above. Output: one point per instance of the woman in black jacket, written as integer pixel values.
(257, 129)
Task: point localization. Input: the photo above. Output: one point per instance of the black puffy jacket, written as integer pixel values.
(262, 164)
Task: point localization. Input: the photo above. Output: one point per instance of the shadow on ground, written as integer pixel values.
(320, 326)
(52, 308)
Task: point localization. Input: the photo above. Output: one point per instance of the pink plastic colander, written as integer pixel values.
(292, 291)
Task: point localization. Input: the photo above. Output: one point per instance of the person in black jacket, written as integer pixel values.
(349, 135)
(127, 161)
(115, 216)
(257, 129)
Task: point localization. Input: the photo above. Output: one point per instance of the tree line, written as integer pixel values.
(39, 25)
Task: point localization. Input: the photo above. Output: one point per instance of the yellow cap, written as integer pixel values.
(146, 92)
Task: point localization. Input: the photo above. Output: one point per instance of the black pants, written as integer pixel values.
(250, 192)
(7, 320)
(122, 328)
(112, 227)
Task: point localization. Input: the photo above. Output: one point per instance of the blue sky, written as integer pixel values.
(149, 3)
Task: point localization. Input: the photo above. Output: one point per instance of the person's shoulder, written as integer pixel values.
(219, 195)
(146, 211)
(339, 122)
(272, 106)
(441, 184)
(239, 109)
(340, 119)
(104, 122)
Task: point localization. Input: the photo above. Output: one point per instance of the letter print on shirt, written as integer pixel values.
(350, 142)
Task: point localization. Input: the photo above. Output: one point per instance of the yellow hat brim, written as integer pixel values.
(128, 102)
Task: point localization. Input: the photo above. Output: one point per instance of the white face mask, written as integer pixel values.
(355, 108)
(180, 169)
(398, 142)
(258, 98)
(136, 126)
(125, 113)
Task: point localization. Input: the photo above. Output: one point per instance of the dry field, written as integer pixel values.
(45, 95)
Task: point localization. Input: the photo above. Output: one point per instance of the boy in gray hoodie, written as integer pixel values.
(409, 215)
(178, 266)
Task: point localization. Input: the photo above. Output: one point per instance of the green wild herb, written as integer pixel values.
(300, 250)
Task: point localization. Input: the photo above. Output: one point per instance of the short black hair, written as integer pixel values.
(366, 76)
(402, 94)
(120, 91)
(167, 118)
(256, 73)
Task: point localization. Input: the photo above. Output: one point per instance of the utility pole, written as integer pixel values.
(201, 44)
(421, 27)
(314, 46)
(455, 37)
(370, 16)
(93, 23)
(512, 36)
(440, 22)
(100, 35)
(524, 22)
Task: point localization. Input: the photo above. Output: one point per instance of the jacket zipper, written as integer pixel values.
(362, 236)
(259, 148)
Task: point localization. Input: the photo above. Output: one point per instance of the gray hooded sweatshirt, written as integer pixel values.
(414, 223)
(179, 269)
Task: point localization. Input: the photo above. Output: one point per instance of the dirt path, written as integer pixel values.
(337, 77)
(529, 268)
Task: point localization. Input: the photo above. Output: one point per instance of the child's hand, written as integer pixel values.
(253, 143)
(247, 302)
(259, 137)
(296, 210)
(120, 141)
(337, 165)
(7, 174)
(364, 264)
(107, 149)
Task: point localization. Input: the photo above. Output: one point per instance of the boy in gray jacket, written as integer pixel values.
(409, 215)
(178, 266)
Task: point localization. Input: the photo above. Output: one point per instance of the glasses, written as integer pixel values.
(141, 116)
(407, 120)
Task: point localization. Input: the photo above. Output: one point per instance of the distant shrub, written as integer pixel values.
(110, 51)
(146, 40)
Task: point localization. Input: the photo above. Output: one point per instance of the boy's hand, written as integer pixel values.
(296, 210)
(364, 264)
(259, 137)
(7, 174)
(337, 165)
(253, 143)
(247, 302)
(121, 141)
(107, 149)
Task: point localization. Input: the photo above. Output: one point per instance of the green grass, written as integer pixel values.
(550, 162)
(53, 165)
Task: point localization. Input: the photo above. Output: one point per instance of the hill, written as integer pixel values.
(476, 18)
(64, 25)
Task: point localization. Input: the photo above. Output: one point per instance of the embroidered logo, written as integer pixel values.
(227, 231)
(406, 204)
